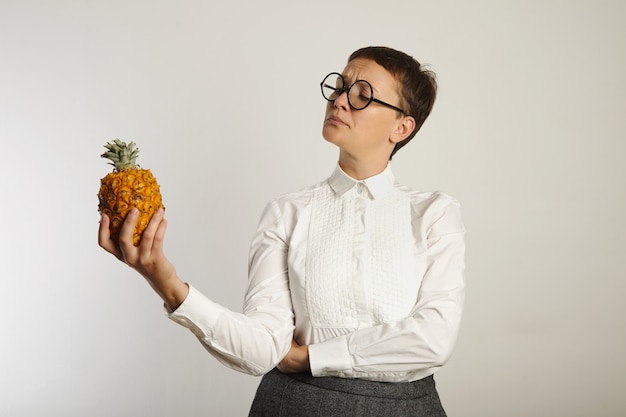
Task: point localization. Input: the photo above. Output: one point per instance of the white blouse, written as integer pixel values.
(369, 274)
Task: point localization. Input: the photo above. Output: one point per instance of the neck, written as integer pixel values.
(361, 168)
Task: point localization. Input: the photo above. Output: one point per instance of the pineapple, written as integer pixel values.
(126, 187)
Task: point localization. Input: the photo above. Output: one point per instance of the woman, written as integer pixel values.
(356, 284)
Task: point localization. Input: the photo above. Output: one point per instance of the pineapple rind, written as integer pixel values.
(120, 191)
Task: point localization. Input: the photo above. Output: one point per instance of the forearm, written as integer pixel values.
(253, 342)
(404, 350)
(256, 340)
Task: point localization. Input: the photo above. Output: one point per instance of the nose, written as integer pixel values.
(342, 102)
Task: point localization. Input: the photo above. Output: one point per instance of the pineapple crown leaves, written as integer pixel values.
(122, 155)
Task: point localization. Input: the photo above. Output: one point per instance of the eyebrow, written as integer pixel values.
(350, 82)
(345, 77)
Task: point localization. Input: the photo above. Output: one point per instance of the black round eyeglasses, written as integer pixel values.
(360, 93)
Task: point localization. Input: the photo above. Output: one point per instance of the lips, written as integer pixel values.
(335, 120)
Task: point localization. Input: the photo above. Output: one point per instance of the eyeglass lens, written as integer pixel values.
(359, 93)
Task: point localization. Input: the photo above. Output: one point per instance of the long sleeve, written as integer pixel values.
(416, 346)
(369, 274)
(256, 340)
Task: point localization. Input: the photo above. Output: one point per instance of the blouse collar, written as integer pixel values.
(377, 185)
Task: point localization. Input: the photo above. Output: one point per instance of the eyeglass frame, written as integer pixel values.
(346, 90)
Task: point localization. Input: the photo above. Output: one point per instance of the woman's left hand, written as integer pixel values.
(296, 361)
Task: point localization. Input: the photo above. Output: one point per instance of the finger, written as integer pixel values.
(104, 237)
(146, 245)
(126, 234)
(283, 366)
(159, 237)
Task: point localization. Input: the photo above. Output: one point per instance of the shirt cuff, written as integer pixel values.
(197, 313)
(330, 358)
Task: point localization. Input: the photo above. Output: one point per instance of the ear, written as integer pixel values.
(403, 129)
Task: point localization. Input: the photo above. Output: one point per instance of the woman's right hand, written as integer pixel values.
(148, 258)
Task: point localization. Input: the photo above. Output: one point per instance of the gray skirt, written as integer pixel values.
(302, 395)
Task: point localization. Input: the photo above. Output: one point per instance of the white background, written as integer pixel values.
(223, 100)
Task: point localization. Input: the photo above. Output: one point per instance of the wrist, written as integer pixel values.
(172, 290)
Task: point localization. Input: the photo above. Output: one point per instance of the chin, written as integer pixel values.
(329, 135)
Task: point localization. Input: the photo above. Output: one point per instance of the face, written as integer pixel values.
(373, 130)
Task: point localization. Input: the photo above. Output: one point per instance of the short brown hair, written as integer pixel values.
(418, 85)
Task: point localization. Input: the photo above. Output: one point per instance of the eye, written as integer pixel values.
(334, 91)
(361, 90)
